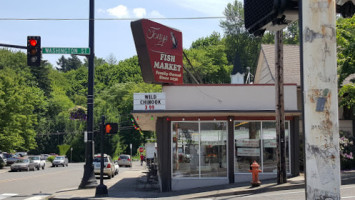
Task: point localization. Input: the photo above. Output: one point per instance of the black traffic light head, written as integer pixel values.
(111, 128)
(34, 52)
(261, 15)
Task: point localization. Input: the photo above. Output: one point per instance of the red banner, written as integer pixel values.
(159, 50)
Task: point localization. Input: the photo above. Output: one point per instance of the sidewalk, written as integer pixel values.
(132, 184)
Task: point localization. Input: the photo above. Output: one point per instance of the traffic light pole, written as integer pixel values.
(89, 180)
(101, 190)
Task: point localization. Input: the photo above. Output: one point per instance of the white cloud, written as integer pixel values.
(155, 14)
(122, 11)
(139, 12)
(119, 11)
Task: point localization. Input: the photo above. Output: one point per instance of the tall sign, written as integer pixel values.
(159, 50)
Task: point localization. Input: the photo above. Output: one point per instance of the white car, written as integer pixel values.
(60, 160)
(40, 163)
(109, 166)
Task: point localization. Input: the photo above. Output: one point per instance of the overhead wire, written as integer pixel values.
(108, 19)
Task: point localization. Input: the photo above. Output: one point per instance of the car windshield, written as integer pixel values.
(34, 158)
(22, 161)
(98, 159)
(59, 158)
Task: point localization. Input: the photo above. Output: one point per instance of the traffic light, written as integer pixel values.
(34, 52)
(111, 128)
(273, 15)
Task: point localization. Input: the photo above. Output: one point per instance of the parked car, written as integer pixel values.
(60, 160)
(21, 154)
(40, 163)
(11, 159)
(2, 162)
(109, 166)
(23, 164)
(125, 160)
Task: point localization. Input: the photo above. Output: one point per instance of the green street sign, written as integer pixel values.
(66, 50)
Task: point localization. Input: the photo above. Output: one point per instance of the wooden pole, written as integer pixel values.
(280, 110)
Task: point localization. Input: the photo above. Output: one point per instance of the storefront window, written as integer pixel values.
(269, 144)
(199, 152)
(247, 145)
(213, 149)
(185, 146)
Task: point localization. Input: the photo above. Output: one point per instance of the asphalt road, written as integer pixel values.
(40, 184)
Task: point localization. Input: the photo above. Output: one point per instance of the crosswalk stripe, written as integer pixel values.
(7, 195)
(37, 197)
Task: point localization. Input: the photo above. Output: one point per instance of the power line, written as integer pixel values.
(107, 19)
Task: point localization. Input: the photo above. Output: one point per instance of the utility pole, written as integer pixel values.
(89, 180)
(320, 94)
(280, 109)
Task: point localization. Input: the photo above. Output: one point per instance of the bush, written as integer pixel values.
(51, 158)
(347, 151)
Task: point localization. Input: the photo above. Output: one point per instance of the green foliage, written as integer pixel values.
(67, 64)
(237, 39)
(20, 106)
(345, 47)
(347, 96)
(209, 60)
(63, 149)
(51, 158)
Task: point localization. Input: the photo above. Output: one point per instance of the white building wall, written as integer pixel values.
(227, 97)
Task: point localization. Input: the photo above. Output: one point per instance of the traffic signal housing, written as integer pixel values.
(111, 128)
(34, 52)
(272, 15)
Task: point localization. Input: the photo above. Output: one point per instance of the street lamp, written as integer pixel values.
(89, 180)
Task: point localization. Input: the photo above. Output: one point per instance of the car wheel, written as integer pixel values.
(43, 167)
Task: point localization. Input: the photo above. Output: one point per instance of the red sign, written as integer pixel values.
(159, 50)
(141, 149)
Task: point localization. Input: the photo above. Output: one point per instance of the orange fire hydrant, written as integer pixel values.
(255, 173)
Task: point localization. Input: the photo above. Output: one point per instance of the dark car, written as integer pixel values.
(11, 159)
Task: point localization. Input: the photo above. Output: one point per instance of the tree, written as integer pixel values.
(209, 60)
(19, 105)
(238, 40)
(72, 63)
(345, 47)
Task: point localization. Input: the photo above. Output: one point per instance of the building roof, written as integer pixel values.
(265, 73)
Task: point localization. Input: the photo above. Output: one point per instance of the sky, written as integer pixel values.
(112, 37)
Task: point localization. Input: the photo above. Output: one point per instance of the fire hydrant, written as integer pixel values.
(255, 173)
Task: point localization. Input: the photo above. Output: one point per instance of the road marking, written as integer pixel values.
(7, 195)
(34, 176)
(37, 197)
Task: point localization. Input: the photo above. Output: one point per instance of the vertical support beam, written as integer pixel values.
(163, 132)
(231, 149)
(295, 147)
(320, 100)
(280, 109)
(89, 180)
